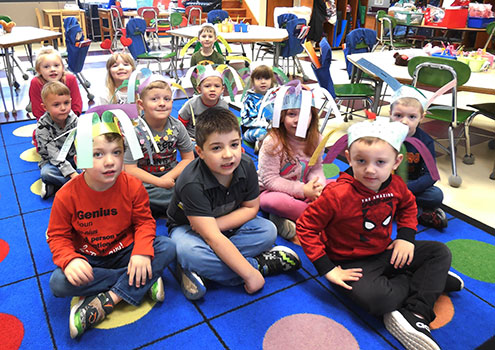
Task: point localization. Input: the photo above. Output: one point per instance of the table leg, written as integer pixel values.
(376, 98)
(9, 72)
(276, 54)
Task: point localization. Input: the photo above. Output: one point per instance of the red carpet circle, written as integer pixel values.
(11, 332)
(4, 249)
(308, 331)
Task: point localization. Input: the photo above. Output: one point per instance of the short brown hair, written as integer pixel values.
(207, 29)
(54, 88)
(157, 84)
(407, 102)
(263, 71)
(114, 137)
(215, 119)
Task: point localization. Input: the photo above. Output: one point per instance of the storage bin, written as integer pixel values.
(408, 17)
(476, 64)
(454, 18)
(479, 22)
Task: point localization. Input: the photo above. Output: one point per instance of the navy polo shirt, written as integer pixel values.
(197, 192)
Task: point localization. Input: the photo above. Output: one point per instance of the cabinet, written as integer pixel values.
(92, 20)
(336, 33)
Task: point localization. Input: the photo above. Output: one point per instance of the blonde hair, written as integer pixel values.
(54, 88)
(110, 62)
(42, 53)
(158, 84)
(407, 102)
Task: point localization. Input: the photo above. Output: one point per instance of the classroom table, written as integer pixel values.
(465, 31)
(26, 36)
(480, 82)
(254, 35)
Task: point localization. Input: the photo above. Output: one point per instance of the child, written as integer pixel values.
(212, 216)
(51, 131)
(254, 127)
(407, 108)
(207, 37)
(119, 68)
(286, 182)
(211, 90)
(159, 168)
(346, 233)
(50, 67)
(102, 235)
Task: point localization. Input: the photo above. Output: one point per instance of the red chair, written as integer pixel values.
(150, 15)
(193, 14)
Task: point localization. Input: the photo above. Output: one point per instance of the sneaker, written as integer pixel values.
(157, 292)
(286, 228)
(277, 260)
(434, 218)
(47, 190)
(410, 330)
(191, 284)
(454, 283)
(88, 312)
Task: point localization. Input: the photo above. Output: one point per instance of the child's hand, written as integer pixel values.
(166, 181)
(403, 253)
(254, 282)
(338, 276)
(139, 267)
(78, 272)
(312, 189)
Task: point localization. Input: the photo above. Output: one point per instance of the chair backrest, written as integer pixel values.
(117, 14)
(323, 73)
(357, 41)
(75, 54)
(293, 45)
(176, 19)
(135, 29)
(217, 16)
(194, 14)
(150, 15)
(436, 71)
(490, 29)
(38, 17)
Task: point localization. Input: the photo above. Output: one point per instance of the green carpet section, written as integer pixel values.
(473, 258)
(330, 170)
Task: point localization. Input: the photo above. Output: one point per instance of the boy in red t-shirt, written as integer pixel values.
(101, 232)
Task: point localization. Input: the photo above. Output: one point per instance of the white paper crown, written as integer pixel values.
(409, 91)
(208, 25)
(392, 132)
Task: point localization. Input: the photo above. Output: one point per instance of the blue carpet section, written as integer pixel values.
(227, 317)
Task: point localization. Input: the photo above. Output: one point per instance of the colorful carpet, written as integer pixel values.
(295, 311)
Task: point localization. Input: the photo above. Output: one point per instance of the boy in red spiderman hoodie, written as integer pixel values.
(346, 233)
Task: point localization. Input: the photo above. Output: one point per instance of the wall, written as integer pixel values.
(258, 8)
(23, 14)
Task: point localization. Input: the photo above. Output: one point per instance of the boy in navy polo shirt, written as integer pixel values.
(213, 219)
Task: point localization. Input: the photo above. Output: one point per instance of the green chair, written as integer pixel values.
(388, 23)
(436, 72)
(490, 29)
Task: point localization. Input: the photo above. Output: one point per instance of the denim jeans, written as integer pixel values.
(431, 198)
(51, 175)
(194, 254)
(110, 273)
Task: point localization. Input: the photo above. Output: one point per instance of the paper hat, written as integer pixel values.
(210, 25)
(91, 125)
(208, 72)
(410, 91)
(392, 132)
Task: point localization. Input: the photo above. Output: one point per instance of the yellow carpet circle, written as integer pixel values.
(36, 187)
(25, 131)
(30, 155)
(123, 313)
(444, 311)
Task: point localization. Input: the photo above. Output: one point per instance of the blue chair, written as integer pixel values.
(357, 41)
(294, 44)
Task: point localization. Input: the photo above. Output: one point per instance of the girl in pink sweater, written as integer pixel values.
(286, 181)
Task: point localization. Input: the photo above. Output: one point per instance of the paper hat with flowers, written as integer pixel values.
(296, 95)
(89, 126)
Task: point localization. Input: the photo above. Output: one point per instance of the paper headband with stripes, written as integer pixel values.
(91, 125)
(295, 95)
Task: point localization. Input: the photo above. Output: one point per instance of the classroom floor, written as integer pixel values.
(293, 311)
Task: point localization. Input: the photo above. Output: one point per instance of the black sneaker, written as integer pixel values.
(47, 190)
(454, 283)
(434, 218)
(88, 312)
(277, 260)
(410, 330)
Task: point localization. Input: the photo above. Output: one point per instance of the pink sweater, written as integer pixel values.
(278, 174)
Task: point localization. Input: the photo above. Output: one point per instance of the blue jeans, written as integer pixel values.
(194, 254)
(431, 198)
(51, 175)
(110, 273)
